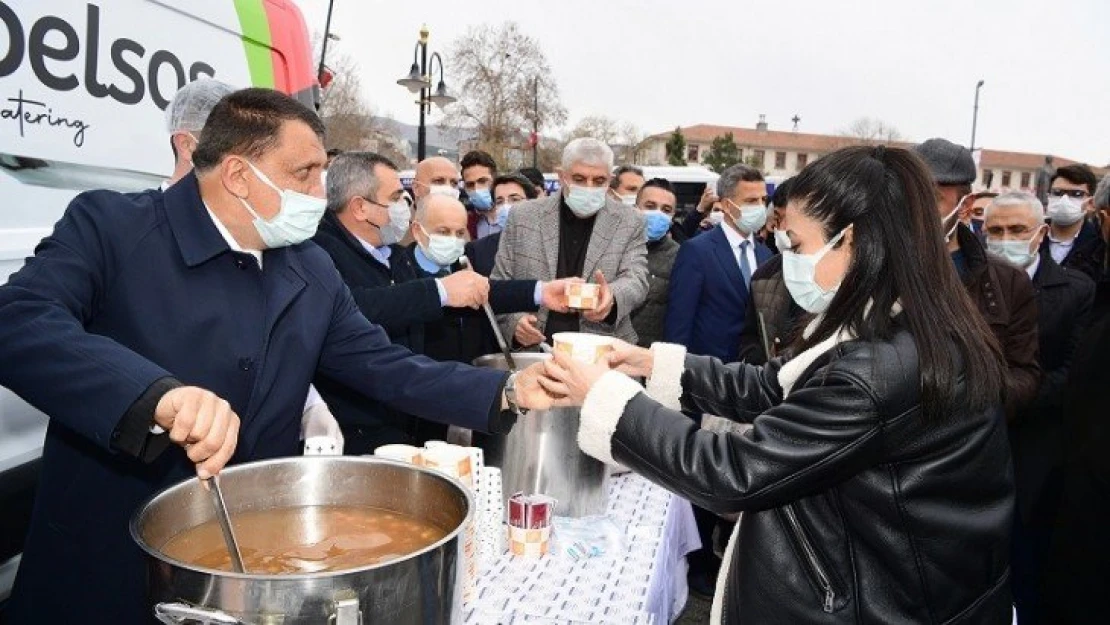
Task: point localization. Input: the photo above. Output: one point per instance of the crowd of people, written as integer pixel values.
(920, 363)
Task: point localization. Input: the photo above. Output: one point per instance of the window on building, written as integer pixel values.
(1006, 179)
(802, 160)
(692, 154)
(988, 178)
(759, 155)
(740, 154)
(780, 160)
(1025, 179)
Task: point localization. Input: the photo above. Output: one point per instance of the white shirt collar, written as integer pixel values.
(735, 238)
(231, 242)
(381, 254)
(1033, 266)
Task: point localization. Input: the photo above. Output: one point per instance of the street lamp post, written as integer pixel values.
(419, 81)
(324, 46)
(975, 115)
(536, 122)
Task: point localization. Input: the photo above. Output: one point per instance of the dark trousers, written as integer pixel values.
(1028, 555)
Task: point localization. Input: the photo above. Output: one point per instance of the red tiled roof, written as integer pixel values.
(821, 144)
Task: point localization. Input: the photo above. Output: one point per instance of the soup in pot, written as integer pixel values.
(307, 539)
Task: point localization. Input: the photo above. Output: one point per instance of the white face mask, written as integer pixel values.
(782, 240)
(585, 201)
(628, 200)
(297, 218)
(399, 217)
(1065, 211)
(799, 272)
(442, 249)
(715, 218)
(1015, 251)
(445, 190)
(956, 224)
(752, 217)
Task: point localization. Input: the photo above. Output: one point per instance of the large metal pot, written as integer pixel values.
(541, 454)
(419, 588)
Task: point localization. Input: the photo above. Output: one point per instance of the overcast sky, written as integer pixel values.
(661, 64)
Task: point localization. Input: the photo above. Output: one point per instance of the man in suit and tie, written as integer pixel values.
(578, 232)
(711, 279)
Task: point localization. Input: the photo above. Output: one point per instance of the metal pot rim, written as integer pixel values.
(135, 533)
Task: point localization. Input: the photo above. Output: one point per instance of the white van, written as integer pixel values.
(83, 88)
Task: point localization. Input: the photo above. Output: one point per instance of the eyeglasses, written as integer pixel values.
(1078, 194)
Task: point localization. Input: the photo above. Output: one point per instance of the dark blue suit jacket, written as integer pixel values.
(708, 299)
(132, 289)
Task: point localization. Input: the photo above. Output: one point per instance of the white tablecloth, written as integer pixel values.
(646, 583)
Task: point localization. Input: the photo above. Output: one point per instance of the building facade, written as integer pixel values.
(784, 154)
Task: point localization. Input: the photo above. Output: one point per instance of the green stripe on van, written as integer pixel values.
(256, 41)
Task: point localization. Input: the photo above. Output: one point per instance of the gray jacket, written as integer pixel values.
(648, 319)
(530, 250)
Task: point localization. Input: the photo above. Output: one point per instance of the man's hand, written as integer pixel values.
(555, 294)
(604, 301)
(466, 289)
(202, 423)
(526, 333)
(529, 393)
(708, 199)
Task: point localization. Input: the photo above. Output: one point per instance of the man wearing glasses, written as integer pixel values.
(1073, 241)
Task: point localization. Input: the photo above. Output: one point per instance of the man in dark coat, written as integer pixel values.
(367, 216)
(1001, 292)
(657, 200)
(508, 190)
(197, 317)
(1073, 240)
(1014, 227)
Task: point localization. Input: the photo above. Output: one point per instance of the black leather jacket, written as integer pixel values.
(856, 510)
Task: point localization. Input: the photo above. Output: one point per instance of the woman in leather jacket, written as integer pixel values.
(875, 483)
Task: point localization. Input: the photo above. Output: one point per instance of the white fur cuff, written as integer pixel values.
(601, 411)
(665, 383)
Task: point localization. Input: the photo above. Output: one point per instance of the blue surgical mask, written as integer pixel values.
(481, 199)
(799, 272)
(503, 215)
(752, 217)
(585, 201)
(297, 218)
(1015, 251)
(656, 224)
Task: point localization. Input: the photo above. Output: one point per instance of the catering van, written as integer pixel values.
(83, 89)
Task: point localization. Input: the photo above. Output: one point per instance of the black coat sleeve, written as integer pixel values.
(512, 296)
(398, 306)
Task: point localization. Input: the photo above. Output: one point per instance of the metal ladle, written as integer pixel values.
(225, 524)
(501, 342)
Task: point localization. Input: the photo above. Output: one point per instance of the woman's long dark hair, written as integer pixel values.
(889, 198)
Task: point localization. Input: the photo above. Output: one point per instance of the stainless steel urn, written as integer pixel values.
(418, 588)
(541, 454)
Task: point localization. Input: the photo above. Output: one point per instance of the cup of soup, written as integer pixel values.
(588, 348)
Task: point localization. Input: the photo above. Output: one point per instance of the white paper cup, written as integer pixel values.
(583, 295)
(404, 453)
(322, 446)
(451, 460)
(588, 348)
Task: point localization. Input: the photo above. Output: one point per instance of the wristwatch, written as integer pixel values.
(510, 395)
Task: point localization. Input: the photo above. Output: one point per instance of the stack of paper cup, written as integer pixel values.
(588, 348)
(322, 446)
(491, 530)
(530, 524)
(583, 295)
(404, 453)
(451, 460)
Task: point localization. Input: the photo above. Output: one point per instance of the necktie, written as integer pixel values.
(745, 268)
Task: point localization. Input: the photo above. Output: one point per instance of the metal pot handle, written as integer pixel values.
(346, 613)
(179, 613)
